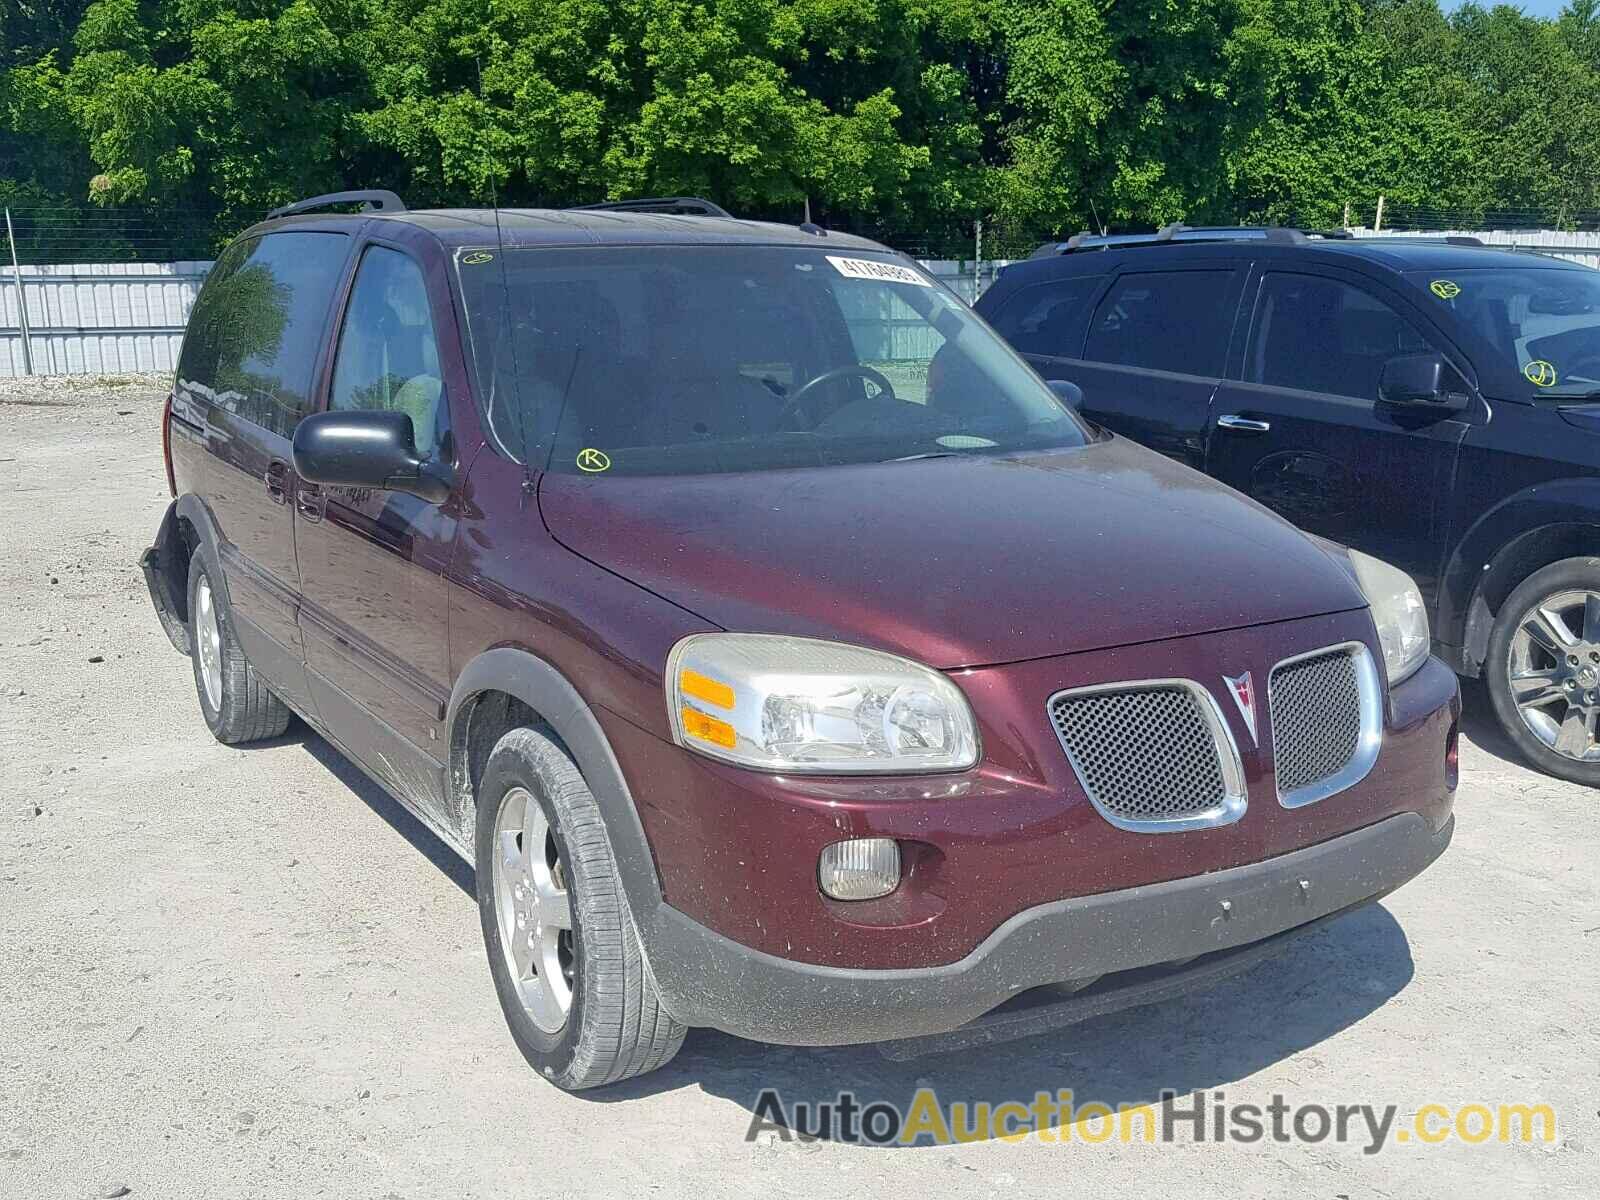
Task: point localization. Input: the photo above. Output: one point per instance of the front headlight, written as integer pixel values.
(1397, 610)
(797, 704)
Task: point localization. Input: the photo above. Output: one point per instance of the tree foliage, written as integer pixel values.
(906, 115)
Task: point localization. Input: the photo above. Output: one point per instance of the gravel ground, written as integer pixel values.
(231, 972)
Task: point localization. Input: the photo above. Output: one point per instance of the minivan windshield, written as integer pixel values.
(692, 359)
(1543, 322)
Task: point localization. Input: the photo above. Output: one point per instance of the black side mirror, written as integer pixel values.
(367, 449)
(1068, 393)
(1420, 381)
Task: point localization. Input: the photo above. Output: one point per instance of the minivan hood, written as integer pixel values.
(956, 562)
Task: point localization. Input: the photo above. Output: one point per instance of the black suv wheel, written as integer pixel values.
(1543, 668)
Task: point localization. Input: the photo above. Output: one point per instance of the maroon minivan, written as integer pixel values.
(785, 655)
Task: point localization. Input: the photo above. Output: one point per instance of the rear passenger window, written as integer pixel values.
(1321, 335)
(388, 352)
(1048, 318)
(267, 318)
(1168, 321)
(210, 322)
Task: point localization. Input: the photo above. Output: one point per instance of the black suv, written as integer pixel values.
(1435, 403)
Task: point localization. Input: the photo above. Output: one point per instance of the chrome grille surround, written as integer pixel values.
(1327, 721)
(1152, 755)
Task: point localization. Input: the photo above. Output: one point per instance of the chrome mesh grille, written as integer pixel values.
(1145, 754)
(1316, 718)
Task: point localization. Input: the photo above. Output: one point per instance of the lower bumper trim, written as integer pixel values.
(706, 979)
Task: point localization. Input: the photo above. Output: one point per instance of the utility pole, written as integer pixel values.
(1377, 224)
(1347, 214)
(22, 299)
(977, 261)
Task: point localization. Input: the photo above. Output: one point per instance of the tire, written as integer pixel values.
(237, 704)
(613, 1027)
(1559, 692)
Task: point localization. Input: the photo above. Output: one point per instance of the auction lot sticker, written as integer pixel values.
(869, 268)
(1540, 373)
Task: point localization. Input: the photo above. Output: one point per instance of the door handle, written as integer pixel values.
(277, 480)
(310, 500)
(1240, 424)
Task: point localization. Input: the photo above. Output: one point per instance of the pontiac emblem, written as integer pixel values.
(1243, 691)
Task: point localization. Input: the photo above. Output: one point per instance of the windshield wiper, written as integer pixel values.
(929, 454)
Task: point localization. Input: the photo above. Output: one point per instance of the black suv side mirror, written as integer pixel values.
(367, 449)
(1420, 381)
(1068, 393)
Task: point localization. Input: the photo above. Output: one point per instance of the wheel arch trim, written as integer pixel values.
(1463, 616)
(544, 689)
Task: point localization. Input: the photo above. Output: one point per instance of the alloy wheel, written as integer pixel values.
(533, 910)
(1554, 673)
(208, 635)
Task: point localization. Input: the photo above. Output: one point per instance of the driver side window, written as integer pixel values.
(388, 358)
(1323, 335)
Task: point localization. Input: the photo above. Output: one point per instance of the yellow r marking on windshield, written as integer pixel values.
(592, 460)
(1540, 373)
(1445, 289)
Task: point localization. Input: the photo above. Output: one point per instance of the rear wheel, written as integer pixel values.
(234, 699)
(1543, 669)
(562, 948)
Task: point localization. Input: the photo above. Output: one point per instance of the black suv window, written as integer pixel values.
(1049, 318)
(1322, 335)
(388, 352)
(265, 317)
(1165, 320)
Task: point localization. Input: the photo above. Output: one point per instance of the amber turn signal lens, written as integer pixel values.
(708, 729)
(703, 687)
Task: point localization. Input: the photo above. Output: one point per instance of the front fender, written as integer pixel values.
(1561, 502)
(548, 693)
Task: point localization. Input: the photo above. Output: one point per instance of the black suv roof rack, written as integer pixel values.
(374, 200)
(680, 206)
(1179, 232)
(1454, 239)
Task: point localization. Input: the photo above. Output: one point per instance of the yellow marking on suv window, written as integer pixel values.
(477, 258)
(1445, 289)
(1540, 373)
(592, 460)
(702, 687)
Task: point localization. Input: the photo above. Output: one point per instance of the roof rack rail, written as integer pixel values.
(1422, 239)
(679, 206)
(1179, 232)
(374, 200)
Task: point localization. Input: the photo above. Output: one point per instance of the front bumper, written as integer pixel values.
(707, 979)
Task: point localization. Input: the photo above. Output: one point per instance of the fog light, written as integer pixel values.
(861, 869)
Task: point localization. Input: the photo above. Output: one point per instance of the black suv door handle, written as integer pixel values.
(1238, 424)
(310, 500)
(277, 478)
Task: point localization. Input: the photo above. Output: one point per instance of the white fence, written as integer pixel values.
(1578, 247)
(98, 318)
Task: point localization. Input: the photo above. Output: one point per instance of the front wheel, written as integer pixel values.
(562, 948)
(1543, 669)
